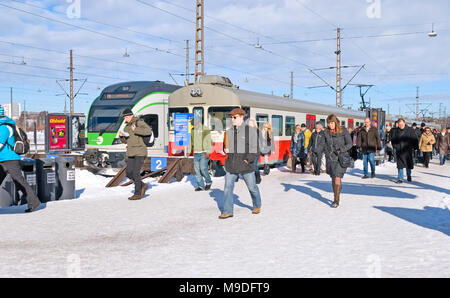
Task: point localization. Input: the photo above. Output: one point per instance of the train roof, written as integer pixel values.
(220, 92)
(140, 88)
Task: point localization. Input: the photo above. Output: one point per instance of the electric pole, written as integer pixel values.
(187, 62)
(71, 84)
(338, 71)
(199, 41)
(417, 104)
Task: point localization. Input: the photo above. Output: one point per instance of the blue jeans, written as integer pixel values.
(369, 158)
(228, 199)
(442, 159)
(201, 170)
(400, 173)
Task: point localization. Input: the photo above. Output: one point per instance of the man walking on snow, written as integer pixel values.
(242, 150)
(369, 141)
(9, 162)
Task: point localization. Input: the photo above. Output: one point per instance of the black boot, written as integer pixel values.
(258, 177)
(266, 170)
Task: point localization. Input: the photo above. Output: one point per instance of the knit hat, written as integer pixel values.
(2, 111)
(127, 112)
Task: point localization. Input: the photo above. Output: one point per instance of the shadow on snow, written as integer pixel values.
(430, 217)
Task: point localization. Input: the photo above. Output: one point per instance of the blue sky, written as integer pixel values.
(296, 35)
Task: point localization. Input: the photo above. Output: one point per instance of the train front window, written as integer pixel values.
(199, 114)
(105, 118)
(219, 118)
(172, 111)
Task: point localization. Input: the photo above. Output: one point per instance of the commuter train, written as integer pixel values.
(214, 97)
(211, 100)
(148, 100)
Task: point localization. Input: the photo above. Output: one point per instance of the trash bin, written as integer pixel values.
(46, 177)
(28, 167)
(7, 192)
(65, 173)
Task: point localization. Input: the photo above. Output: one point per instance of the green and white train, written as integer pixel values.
(148, 100)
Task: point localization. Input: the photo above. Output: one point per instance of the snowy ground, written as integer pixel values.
(381, 230)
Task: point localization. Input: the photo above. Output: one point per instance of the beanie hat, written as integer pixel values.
(2, 111)
(127, 112)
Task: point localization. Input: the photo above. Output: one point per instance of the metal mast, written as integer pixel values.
(187, 62)
(199, 41)
(338, 71)
(71, 84)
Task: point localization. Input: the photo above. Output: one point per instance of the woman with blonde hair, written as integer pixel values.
(337, 144)
(267, 145)
(427, 140)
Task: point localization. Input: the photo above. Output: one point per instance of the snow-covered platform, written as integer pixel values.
(381, 229)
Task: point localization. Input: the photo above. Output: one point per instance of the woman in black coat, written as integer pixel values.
(337, 144)
(405, 142)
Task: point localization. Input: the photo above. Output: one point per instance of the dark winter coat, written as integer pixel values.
(404, 142)
(242, 143)
(368, 141)
(135, 143)
(443, 143)
(334, 145)
(298, 148)
(418, 133)
(317, 143)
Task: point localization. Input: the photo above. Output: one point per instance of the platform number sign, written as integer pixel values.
(158, 163)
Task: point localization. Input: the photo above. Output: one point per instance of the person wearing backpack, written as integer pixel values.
(133, 135)
(9, 161)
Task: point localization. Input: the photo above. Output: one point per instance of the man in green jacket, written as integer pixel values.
(202, 145)
(132, 135)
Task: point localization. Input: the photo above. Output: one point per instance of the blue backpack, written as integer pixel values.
(21, 141)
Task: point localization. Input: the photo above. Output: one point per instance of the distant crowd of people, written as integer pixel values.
(331, 150)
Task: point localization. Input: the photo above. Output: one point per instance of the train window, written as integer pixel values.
(323, 122)
(105, 119)
(198, 112)
(171, 116)
(261, 119)
(343, 123)
(290, 126)
(152, 121)
(277, 125)
(219, 118)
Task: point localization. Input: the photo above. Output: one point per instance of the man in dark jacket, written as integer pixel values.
(242, 150)
(369, 142)
(418, 133)
(9, 162)
(132, 135)
(404, 141)
(317, 147)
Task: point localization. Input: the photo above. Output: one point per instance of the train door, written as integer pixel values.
(310, 122)
(350, 123)
(157, 120)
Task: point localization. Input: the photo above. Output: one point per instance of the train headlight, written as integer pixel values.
(117, 142)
